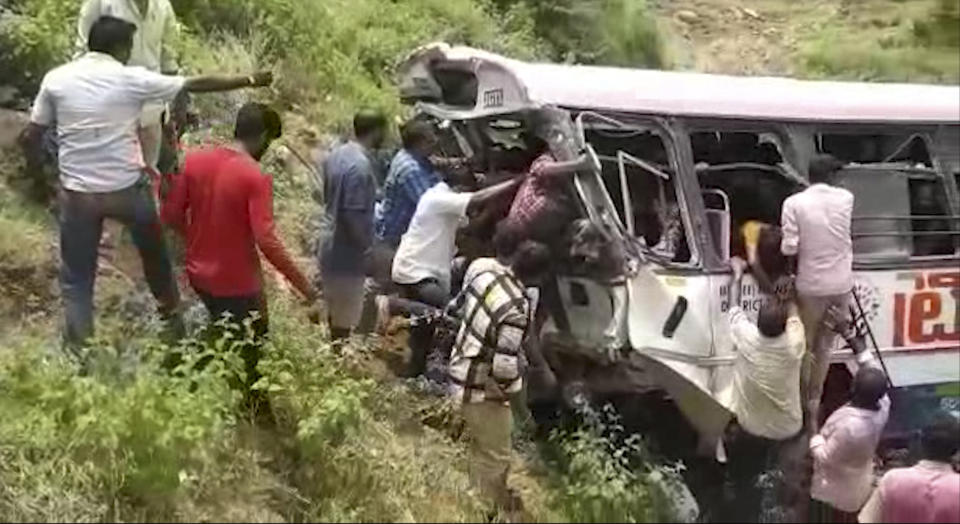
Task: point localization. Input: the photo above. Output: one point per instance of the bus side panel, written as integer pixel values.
(915, 318)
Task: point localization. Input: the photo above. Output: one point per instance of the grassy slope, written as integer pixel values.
(133, 445)
(862, 40)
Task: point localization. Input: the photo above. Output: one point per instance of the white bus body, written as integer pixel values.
(911, 300)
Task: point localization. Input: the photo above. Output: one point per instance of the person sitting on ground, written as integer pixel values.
(223, 204)
(421, 267)
(95, 102)
(816, 239)
(927, 492)
(485, 365)
(350, 191)
(765, 395)
(844, 449)
(411, 175)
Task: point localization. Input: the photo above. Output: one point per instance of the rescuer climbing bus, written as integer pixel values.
(699, 155)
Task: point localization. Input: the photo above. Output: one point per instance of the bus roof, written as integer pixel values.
(686, 94)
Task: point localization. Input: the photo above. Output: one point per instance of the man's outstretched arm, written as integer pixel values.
(482, 197)
(215, 83)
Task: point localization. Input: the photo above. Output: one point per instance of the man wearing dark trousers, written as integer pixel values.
(95, 102)
(224, 205)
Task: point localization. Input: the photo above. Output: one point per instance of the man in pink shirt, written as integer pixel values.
(927, 492)
(816, 237)
(843, 451)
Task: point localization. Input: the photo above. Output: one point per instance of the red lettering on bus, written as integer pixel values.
(899, 318)
(923, 307)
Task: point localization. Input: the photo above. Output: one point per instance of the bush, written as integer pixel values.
(109, 446)
(35, 35)
(604, 475)
(917, 43)
(605, 32)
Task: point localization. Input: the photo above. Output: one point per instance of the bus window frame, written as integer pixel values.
(932, 137)
(788, 137)
(689, 199)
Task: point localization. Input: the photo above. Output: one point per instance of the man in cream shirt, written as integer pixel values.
(153, 49)
(816, 237)
(765, 394)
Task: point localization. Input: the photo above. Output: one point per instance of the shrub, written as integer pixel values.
(35, 35)
(607, 32)
(107, 446)
(604, 475)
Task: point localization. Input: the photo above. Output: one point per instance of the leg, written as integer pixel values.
(135, 207)
(816, 362)
(747, 457)
(80, 227)
(344, 296)
(248, 326)
(429, 292)
(151, 136)
(377, 284)
(489, 425)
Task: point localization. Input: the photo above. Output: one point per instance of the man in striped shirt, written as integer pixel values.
(485, 365)
(411, 175)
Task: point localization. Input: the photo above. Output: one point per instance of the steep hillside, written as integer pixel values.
(890, 40)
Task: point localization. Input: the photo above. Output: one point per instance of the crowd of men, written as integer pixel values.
(805, 267)
(398, 243)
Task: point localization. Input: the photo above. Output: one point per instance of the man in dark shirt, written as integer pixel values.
(223, 204)
(351, 188)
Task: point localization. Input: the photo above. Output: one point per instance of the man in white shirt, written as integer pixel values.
(765, 397)
(95, 102)
(421, 267)
(153, 49)
(816, 237)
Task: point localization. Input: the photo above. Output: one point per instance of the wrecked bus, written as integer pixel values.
(711, 152)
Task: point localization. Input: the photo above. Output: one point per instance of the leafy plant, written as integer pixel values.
(604, 475)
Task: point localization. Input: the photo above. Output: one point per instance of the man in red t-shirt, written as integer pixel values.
(223, 204)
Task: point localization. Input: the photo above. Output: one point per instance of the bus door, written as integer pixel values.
(669, 314)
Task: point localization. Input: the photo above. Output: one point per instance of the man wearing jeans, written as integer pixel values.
(421, 267)
(816, 236)
(95, 102)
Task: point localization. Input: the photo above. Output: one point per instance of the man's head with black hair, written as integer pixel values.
(772, 318)
(869, 386)
(940, 437)
(505, 241)
(112, 36)
(419, 136)
(370, 128)
(823, 168)
(531, 262)
(257, 127)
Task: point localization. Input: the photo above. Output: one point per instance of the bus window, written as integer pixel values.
(654, 213)
(902, 208)
(725, 147)
(899, 213)
(910, 149)
(744, 178)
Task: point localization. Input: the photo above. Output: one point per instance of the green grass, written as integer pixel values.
(883, 41)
